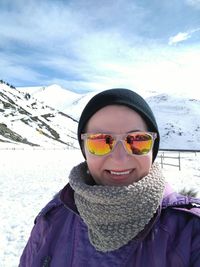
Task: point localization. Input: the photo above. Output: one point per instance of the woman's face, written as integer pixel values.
(117, 168)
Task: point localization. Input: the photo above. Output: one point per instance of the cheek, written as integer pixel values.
(95, 167)
(94, 163)
(145, 164)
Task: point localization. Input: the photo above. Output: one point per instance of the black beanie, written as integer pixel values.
(119, 96)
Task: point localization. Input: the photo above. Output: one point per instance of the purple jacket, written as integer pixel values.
(60, 237)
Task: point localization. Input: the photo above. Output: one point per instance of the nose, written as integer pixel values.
(119, 153)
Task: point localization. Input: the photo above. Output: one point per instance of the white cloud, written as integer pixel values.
(159, 69)
(11, 70)
(51, 23)
(180, 37)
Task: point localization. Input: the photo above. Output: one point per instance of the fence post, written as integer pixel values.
(179, 160)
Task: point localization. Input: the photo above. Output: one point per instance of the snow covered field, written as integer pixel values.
(29, 179)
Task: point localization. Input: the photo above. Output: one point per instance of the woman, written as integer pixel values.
(116, 209)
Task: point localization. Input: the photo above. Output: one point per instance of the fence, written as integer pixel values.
(167, 160)
(166, 157)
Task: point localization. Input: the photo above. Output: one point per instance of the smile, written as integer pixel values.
(120, 172)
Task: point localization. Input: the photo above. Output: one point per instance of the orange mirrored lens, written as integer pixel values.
(139, 144)
(100, 144)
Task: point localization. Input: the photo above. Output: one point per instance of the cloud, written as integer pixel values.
(154, 68)
(182, 36)
(93, 44)
(49, 21)
(67, 42)
(194, 3)
(38, 24)
(12, 71)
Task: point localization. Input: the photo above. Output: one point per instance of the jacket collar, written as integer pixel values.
(67, 197)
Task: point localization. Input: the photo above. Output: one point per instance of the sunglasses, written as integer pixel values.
(135, 143)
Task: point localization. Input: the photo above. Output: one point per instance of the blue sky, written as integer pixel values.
(91, 45)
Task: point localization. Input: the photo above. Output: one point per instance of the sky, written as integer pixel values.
(93, 45)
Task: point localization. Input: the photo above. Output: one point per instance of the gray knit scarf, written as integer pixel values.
(115, 215)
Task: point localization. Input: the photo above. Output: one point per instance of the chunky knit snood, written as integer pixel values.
(115, 215)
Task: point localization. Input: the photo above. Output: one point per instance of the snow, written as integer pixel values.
(169, 109)
(30, 178)
(47, 95)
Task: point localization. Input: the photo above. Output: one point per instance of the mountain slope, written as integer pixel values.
(25, 120)
(178, 117)
(53, 95)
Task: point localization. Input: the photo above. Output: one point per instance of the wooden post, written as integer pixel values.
(179, 160)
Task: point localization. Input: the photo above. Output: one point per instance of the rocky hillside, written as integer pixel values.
(26, 121)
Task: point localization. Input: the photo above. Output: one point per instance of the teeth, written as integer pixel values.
(120, 173)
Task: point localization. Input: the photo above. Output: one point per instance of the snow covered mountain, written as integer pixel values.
(26, 121)
(60, 98)
(178, 119)
(47, 116)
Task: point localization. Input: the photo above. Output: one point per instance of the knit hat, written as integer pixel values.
(119, 96)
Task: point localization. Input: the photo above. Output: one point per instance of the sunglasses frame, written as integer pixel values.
(120, 138)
